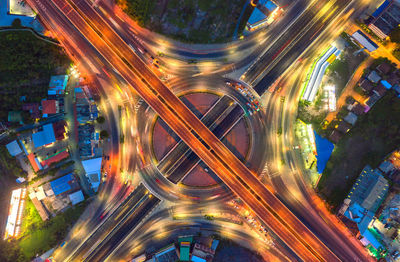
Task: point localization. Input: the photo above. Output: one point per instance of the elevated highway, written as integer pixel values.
(191, 130)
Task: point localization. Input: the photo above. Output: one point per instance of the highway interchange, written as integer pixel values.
(104, 47)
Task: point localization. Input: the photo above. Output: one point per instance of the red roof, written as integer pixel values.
(32, 160)
(49, 107)
(55, 158)
(59, 130)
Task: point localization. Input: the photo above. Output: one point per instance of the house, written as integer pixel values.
(364, 41)
(351, 118)
(335, 136)
(386, 167)
(59, 129)
(13, 148)
(343, 127)
(366, 85)
(370, 189)
(57, 85)
(384, 68)
(396, 88)
(386, 84)
(385, 18)
(263, 14)
(92, 168)
(372, 100)
(61, 155)
(76, 197)
(380, 90)
(64, 184)
(44, 137)
(50, 107)
(374, 77)
(358, 109)
(14, 117)
(393, 79)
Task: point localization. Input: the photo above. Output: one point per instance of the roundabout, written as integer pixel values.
(170, 169)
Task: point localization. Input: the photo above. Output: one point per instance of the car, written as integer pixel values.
(248, 104)
(158, 181)
(228, 83)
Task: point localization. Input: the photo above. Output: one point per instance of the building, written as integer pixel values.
(343, 127)
(44, 214)
(34, 162)
(384, 68)
(366, 85)
(370, 189)
(385, 19)
(64, 184)
(184, 250)
(59, 130)
(166, 254)
(15, 117)
(202, 253)
(374, 77)
(380, 89)
(358, 109)
(264, 14)
(92, 168)
(15, 213)
(351, 118)
(57, 85)
(364, 41)
(50, 107)
(76, 197)
(44, 137)
(57, 157)
(315, 78)
(13, 148)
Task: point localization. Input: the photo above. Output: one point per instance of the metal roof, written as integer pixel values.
(61, 185)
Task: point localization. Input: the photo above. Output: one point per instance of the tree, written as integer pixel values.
(101, 119)
(350, 100)
(16, 23)
(104, 134)
(395, 35)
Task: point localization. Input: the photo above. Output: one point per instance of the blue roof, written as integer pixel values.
(60, 185)
(214, 244)
(197, 259)
(324, 151)
(44, 137)
(13, 148)
(381, 8)
(76, 197)
(270, 6)
(372, 239)
(386, 84)
(256, 17)
(355, 212)
(368, 39)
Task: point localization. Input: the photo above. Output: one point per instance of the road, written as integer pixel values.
(190, 129)
(290, 45)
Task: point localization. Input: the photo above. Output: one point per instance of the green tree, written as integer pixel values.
(395, 35)
(104, 134)
(101, 119)
(16, 23)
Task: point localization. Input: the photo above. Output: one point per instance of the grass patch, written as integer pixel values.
(374, 136)
(39, 236)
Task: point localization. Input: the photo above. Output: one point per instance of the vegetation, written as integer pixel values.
(374, 136)
(200, 21)
(38, 236)
(9, 164)
(395, 35)
(104, 134)
(25, 69)
(101, 119)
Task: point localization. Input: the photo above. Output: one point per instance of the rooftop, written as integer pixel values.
(14, 148)
(44, 137)
(62, 184)
(57, 84)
